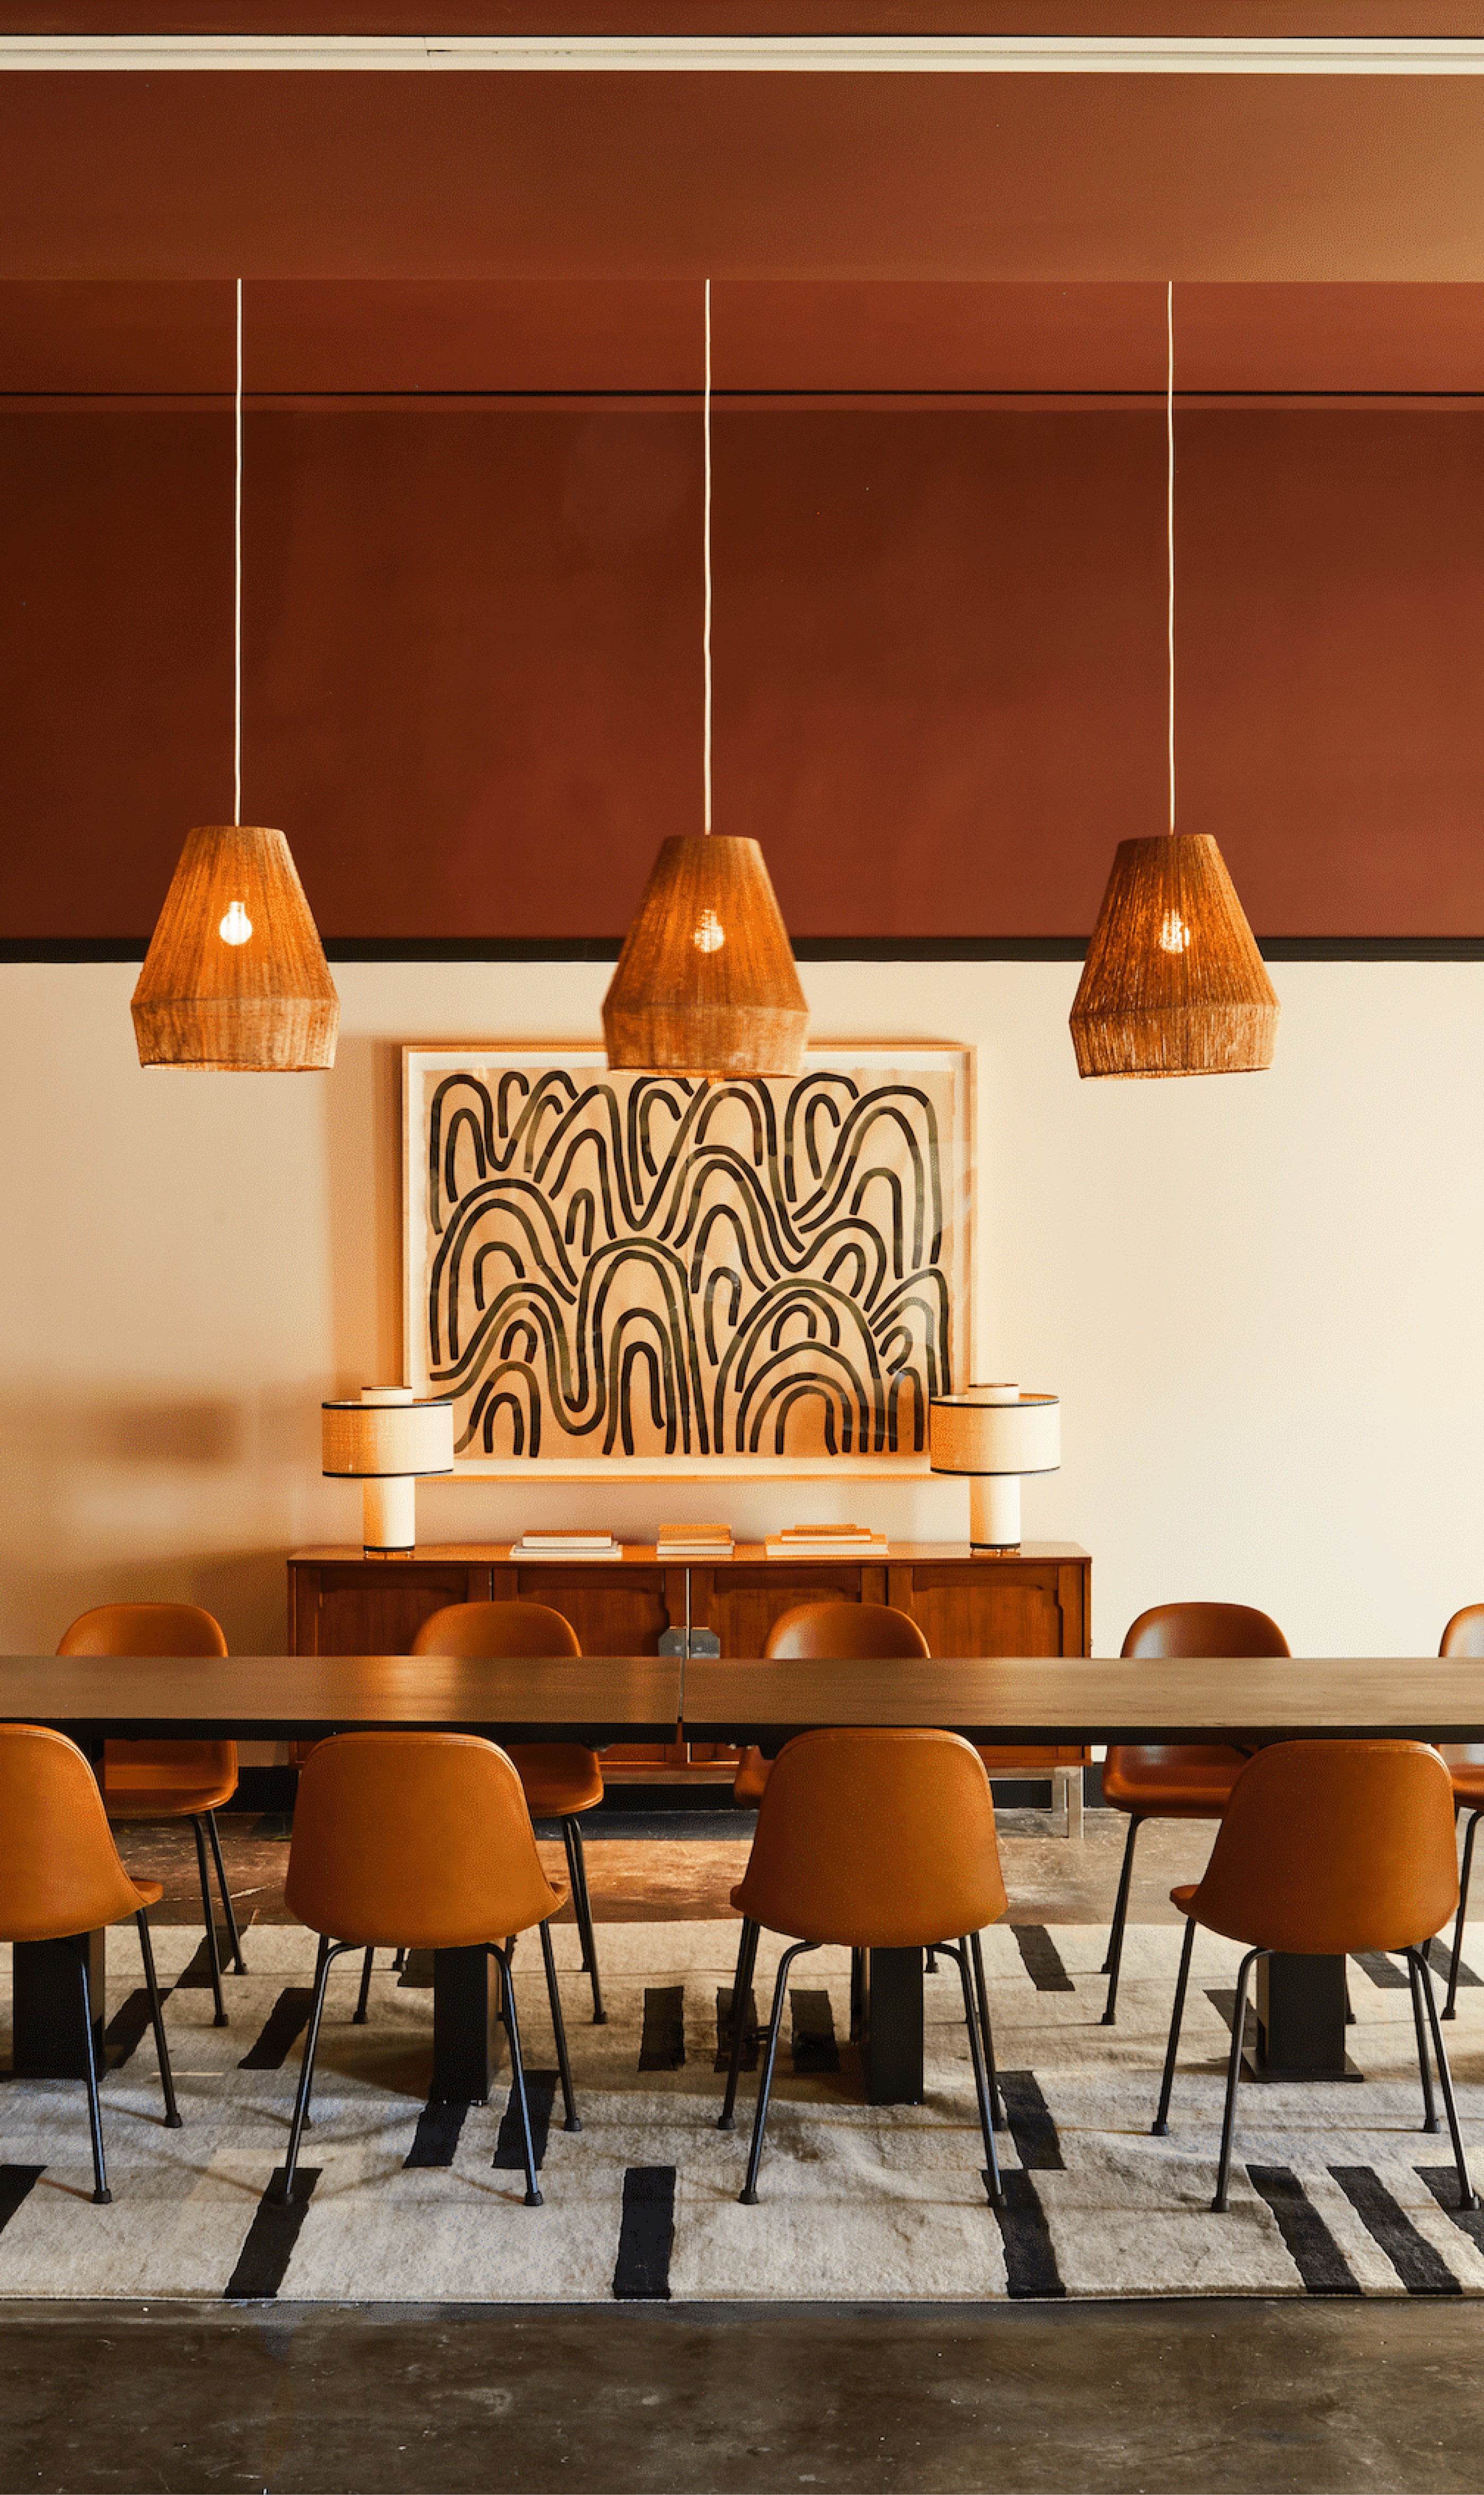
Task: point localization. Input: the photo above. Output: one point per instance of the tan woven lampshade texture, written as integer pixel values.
(706, 982)
(364, 1441)
(1173, 982)
(235, 980)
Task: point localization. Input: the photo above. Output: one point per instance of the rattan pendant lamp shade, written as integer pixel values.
(1173, 982)
(235, 980)
(706, 982)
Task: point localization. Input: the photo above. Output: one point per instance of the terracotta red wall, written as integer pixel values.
(473, 670)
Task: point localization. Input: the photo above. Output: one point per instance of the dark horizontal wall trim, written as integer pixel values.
(808, 948)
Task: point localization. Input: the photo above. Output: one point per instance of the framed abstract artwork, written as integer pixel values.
(670, 1278)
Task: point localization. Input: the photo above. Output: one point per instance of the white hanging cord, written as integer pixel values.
(1169, 429)
(707, 631)
(238, 534)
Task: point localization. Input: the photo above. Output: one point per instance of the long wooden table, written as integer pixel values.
(598, 1699)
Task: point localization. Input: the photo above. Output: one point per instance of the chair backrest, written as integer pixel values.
(421, 1840)
(1332, 1847)
(495, 1629)
(843, 1628)
(59, 1867)
(875, 1839)
(144, 1628)
(1193, 1629)
(1465, 1632)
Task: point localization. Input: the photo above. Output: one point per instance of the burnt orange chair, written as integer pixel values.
(561, 1780)
(1326, 1847)
(1158, 1780)
(419, 1840)
(1464, 1760)
(872, 1839)
(60, 1877)
(868, 1630)
(168, 1779)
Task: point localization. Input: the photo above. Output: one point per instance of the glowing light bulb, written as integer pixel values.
(1174, 934)
(709, 935)
(236, 927)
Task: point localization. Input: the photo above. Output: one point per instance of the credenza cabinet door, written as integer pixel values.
(375, 1607)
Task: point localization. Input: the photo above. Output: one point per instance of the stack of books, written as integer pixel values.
(557, 1543)
(826, 1542)
(694, 1541)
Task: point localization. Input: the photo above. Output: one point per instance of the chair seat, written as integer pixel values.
(150, 1791)
(559, 1779)
(750, 1782)
(1182, 1895)
(150, 1891)
(1465, 1762)
(1191, 1782)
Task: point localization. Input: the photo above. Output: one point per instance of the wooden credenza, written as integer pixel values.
(1036, 1600)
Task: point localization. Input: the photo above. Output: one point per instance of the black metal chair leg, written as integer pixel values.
(1449, 2010)
(1467, 2196)
(996, 2107)
(533, 2198)
(741, 1985)
(157, 2021)
(584, 1906)
(1161, 2123)
(857, 1994)
(359, 2013)
(930, 1963)
(1115, 1957)
(100, 2192)
(399, 1962)
(209, 1912)
(1429, 2106)
(239, 1962)
(327, 1954)
(971, 2020)
(568, 1827)
(559, 2030)
(748, 2192)
(1233, 2066)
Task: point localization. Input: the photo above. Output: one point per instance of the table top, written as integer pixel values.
(615, 1698)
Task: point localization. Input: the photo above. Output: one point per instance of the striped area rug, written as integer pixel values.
(1336, 2190)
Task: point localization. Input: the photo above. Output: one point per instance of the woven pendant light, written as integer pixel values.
(235, 980)
(1173, 982)
(705, 983)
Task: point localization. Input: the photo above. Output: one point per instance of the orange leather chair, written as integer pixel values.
(168, 1779)
(419, 1840)
(1188, 1781)
(871, 1840)
(1326, 1847)
(561, 1779)
(1464, 1636)
(60, 1876)
(869, 1630)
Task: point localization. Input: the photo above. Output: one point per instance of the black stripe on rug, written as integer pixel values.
(662, 2045)
(125, 2027)
(196, 1975)
(1315, 2253)
(1443, 2183)
(1385, 1972)
(510, 2148)
(281, 2030)
(1030, 2264)
(436, 2141)
(646, 2235)
(1031, 2126)
(812, 2039)
(1439, 1958)
(1041, 1958)
(723, 2060)
(1418, 2264)
(271, 2237)
(15, 2182)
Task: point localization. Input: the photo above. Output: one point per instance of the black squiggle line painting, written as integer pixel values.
(620, 1264)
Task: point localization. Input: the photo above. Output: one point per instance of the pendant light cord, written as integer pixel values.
(237, 552)
(1169, 435)
(706, 634)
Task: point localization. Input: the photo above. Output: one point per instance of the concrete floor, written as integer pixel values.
(1260, 2397)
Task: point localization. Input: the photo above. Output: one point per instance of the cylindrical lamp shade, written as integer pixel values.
(971, 1434)
(383, 1442)
(706, 982)
(1173, 982)
(236, 979)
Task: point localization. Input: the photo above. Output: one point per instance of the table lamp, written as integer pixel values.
(993, 1434)
(384, 1441)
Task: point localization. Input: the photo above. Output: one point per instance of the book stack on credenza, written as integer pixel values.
(694, 1541)
(826, 1542)
(563, 1544)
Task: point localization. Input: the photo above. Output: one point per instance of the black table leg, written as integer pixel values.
(894, 2026)
(1300, 2021)
(467, 2035)
(48, 2014)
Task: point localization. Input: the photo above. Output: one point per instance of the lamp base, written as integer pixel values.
(994, 1511)
(389, 1516)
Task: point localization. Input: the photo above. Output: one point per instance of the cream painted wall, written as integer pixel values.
(1258, 1298)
